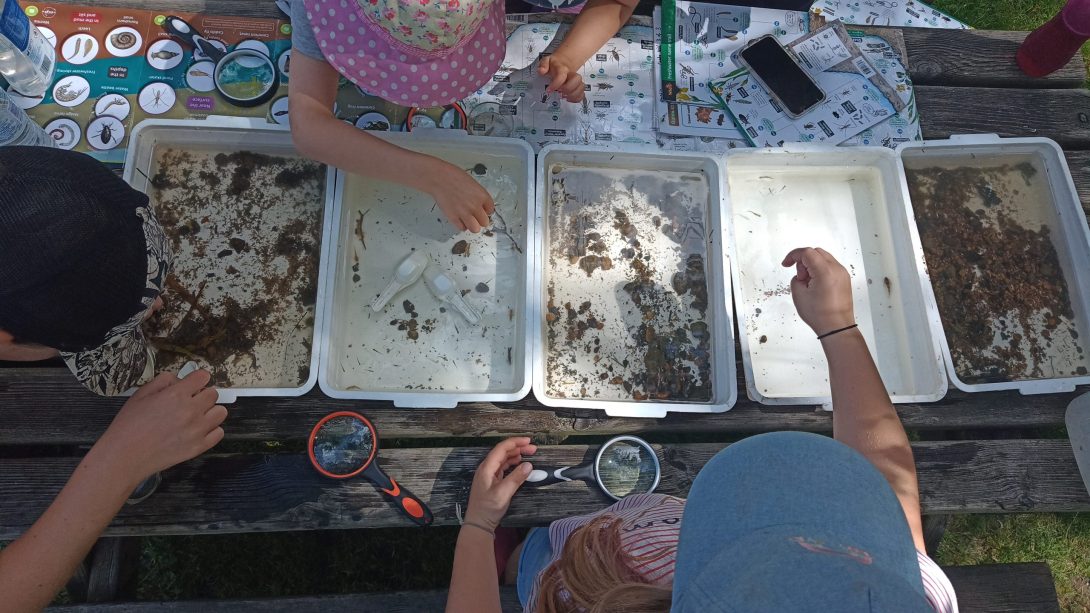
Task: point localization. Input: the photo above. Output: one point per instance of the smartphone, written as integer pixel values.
(781, 75)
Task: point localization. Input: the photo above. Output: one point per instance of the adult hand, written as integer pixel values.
(466, 204)
(167, 421)
(821, 289)
(563, 77)
(492, 492)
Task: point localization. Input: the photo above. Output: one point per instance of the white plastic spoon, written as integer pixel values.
(408, 271)
(443, 288)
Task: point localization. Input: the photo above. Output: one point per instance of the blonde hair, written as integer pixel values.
(595, 574)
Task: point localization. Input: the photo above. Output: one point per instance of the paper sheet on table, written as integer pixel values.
(701, 40)
(854, 95)
(904, 126)
(900, 13)
(706, 122)
(619, 92)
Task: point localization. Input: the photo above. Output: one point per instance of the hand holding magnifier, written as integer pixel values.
(624, 465)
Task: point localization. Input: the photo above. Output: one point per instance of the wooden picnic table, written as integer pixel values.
(966, 82)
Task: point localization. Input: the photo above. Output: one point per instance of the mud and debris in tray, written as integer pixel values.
(626, 276)
(245, 229)
(419, 342)
(987, 232)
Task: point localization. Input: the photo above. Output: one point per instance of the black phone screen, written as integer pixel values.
(771, 63)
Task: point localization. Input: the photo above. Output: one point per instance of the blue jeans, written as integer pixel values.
(535, 556)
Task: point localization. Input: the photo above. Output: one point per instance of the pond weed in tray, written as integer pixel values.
(988, 227)
(245, 228)
(627, 284)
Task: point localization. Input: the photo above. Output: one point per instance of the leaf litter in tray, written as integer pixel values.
(629, 247)
(245, 230)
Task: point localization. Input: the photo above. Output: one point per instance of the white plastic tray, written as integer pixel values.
(850, 202)
(1069, 232)
(605, 290)
(368, 355)
(233, 133)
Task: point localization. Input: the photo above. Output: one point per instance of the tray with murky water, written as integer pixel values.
(419, 351)
(243, 213)
(632, 306)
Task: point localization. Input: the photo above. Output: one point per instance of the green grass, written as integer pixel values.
(1002, 15)
(1061, 540)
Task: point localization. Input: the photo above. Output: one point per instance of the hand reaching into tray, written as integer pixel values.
(821, 289)
(466, 204)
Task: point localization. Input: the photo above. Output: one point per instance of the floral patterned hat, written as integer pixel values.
(82, 260)
(411, 52)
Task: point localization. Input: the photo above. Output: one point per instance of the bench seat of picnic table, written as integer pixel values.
(992, 588)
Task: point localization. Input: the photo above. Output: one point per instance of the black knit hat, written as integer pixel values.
(82, 258)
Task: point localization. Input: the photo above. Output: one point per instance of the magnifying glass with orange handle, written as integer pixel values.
(344, 444)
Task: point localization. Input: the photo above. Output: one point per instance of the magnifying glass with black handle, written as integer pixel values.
(624, 465)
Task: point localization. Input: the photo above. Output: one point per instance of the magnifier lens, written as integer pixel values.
(627, 468)
(246, 76)
(343, 445)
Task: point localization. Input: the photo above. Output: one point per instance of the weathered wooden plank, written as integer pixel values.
(388, 602)
(256, 492)
(1022, 588)
(978, 58)
(1060, 114)
(32, 399)
(999, 588)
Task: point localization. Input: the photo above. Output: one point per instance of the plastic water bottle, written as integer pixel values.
(16, 128)
(27, 59)
(1049, 47)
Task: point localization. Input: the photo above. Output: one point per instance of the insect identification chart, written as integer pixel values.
(117, 67)
(618, 82)
(856, 97)
(904, 126)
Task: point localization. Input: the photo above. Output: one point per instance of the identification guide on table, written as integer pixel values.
(618, 83)
(856, 97)
(899, 13)
(117, 67)
(699, 41)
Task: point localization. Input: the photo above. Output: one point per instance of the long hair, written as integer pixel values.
(594, 574)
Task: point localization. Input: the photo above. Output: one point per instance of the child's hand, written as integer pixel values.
(563, 77)
(167, 421)
(466, 204)
(821, 289)
(492, 492)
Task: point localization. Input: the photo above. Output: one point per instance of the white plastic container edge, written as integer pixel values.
(1074, 232)
(142, 143)
(410, 399)
(724, 368)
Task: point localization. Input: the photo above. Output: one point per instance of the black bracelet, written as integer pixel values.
(837, 330)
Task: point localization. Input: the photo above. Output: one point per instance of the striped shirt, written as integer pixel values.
(650, 527)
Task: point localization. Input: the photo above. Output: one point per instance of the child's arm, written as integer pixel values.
(863, 416)
(319, 135)
(165, 422)
(597, 23)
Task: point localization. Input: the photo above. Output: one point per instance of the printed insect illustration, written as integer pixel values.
(64, 94)
(87, 44)
(719, 121)
(601, 115)
(287, 65)
(686, 71)
(836, 115)
(604, 86)
(844, 126)
(116, 101)
(197, 72)
(280, 113)
(809, 126)
(164, 55)
(123, 40)
(887, 141)
(615, 54)
(743, 119)
(106, 134)
(585, 106)
(157, 99)
(57, 134)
